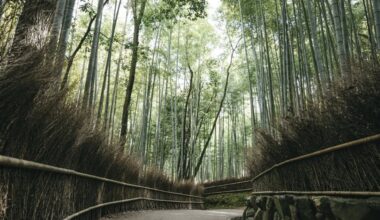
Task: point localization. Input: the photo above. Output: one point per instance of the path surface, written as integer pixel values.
(220, 214)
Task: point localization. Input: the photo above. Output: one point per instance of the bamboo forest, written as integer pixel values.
(199, 90)
(192, 109)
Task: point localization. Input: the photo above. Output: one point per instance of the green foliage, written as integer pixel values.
(273, 69)
(226, 201)
(87, 8)
(174, 10)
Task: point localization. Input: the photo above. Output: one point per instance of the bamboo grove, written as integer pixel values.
(185, 85)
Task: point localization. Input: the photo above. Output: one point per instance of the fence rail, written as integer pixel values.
(99, 206)
(319, 193)
(10, 162)
(355, 143)
(228, 192)
(6, 161)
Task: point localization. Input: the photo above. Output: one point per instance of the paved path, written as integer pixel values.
(221, 214)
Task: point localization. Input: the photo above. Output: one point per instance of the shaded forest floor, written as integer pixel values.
(226, 201)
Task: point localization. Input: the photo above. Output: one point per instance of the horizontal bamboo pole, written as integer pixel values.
(318, 193)
(125, 201)
(229, 184)
(347, 145)
(350, 144)
(228, 192)
(6, 161)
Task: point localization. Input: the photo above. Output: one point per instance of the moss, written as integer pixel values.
(224, 201)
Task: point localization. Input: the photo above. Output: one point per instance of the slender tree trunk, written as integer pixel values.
(138, 15)
(145, 120)
(56, 28)
(221, 145)
(89, 89)
(376, 12)
(314, 45)
(63, 39)
(339, 36)
(370, 31)
(185, 130)
(203, 152)
(81, 87)
(286, 83)
(107, 71)
(303, 70)
(156, 145)
(260, 78)
(292, 73)
(118, 67)
(331, 42)
(70, 60)
(270, 80)
(346, 35)
(355, 32)
(279, 58)
(148, 144)
(250, 81)
(346, 39)
(229, 158)
(2, 4)
(177, 71)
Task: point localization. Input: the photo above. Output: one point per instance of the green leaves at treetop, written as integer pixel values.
(174, 10)
(88, 8)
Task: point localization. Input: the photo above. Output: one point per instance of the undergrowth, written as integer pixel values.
(349, 111)
(226, 201)
(39, 123)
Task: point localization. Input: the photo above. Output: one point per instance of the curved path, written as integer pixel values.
(220, 214)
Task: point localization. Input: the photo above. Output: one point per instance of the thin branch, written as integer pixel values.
(200, 160)
(81, 42)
